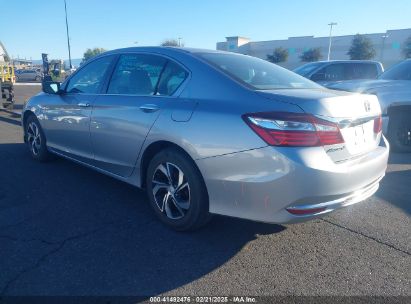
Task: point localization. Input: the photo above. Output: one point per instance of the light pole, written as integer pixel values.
(68, 36)
(179, 41)
(329, 43)
(383, 46)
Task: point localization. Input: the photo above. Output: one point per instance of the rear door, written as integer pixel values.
(122, 117)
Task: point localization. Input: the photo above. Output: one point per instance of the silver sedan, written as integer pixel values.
(208, 132)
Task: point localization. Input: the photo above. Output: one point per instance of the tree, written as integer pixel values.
(361, 48)
(90, 53)
(279, 55)
(407, 48)
(313, 54)
(171, 42)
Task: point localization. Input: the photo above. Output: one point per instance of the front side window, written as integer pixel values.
(308, 68)
(89, 79)
(136, 74)
(332, 72)
(256, 73)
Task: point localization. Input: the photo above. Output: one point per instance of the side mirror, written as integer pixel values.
(51, 87)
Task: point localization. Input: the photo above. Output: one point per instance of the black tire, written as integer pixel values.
(399, 132)
(179, 216)
(36, 140)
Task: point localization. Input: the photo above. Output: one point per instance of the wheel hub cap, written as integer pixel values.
(171, 190)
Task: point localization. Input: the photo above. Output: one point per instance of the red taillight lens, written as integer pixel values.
(297, 211)
(294, 129)
(378, 124)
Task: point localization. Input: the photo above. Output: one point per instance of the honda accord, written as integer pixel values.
(207, 132)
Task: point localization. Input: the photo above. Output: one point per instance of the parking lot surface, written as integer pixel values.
(67, 230)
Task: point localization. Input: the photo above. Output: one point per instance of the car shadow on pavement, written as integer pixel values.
(10, 120)
(393, 189)
(73, 231)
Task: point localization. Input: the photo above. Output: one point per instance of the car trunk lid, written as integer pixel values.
(355, 114)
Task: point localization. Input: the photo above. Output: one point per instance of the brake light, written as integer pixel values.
(294, 129)
(296, 211)
(378, 124)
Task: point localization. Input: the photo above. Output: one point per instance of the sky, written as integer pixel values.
(31, 27)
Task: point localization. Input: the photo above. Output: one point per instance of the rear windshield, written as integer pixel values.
(257, 73)
(401, 71)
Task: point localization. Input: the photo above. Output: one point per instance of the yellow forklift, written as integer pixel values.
(7, 80)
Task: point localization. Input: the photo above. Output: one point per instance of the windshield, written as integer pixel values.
(257, 73)
(306, 69)
(400, 71)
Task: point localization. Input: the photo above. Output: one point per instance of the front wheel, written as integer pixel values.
(36, 140)
(399, 132)
(176, 191)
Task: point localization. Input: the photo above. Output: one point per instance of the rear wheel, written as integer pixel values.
(399, 131)
(36, 139)
(176, 191)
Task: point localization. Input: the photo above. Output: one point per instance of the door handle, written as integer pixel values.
(83, 104)
(149, 108)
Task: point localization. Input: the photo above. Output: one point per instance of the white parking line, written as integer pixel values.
(27, 84)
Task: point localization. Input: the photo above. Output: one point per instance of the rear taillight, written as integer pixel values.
(378, 124)
(294, 129)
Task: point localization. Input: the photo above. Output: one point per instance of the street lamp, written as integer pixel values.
(329, 44)
(179, 41)
(68, 37)
(383, 46)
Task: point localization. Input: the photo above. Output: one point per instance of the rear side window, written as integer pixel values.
(136, 74)
(171, 79)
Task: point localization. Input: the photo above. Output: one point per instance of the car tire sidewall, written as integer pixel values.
(396, 122)
(43, 154)
(197, 214)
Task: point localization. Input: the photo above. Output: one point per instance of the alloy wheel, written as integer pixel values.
(171, 190)
(34, 138)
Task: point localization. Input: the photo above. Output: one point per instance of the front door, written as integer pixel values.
(68, 114)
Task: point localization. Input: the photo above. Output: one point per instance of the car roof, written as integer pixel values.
(345, 61)
(164, 50)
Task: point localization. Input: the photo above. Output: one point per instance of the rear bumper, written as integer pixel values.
(266, 184)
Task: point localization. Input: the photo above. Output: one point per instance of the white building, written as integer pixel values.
(388, 46)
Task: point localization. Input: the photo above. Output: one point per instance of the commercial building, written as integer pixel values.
(388, 46)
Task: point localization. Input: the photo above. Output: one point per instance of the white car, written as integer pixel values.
(393, 89)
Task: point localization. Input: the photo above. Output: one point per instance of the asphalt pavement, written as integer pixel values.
(67, 230)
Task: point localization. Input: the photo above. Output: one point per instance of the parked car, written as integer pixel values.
(393, 89)
(325, 72)
(208, 132)
(28, 75)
